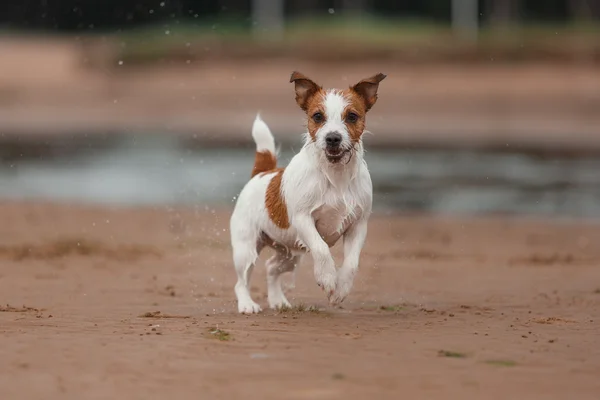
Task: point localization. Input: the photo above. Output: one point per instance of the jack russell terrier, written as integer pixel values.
(325, 193)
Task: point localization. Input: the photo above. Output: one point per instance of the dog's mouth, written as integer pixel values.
(335, 155)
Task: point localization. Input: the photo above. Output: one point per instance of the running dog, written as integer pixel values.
(325, 193)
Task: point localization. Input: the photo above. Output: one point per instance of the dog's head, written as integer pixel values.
(336, 118)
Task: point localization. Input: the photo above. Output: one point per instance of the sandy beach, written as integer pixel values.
(99, 302)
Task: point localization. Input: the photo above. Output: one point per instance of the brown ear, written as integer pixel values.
(367, 89)
(305, 89)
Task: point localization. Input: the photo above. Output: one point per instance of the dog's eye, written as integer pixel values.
(352, 118)
(318, 117)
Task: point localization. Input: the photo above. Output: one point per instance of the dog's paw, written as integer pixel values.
(343, 288)
(249, 307)
(338, 296)
(279, 303)
(327, 281)
(284, 305)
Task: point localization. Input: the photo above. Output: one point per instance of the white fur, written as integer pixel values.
(262, 136)
(324, 201)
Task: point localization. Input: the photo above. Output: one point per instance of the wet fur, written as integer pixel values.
(313, 202)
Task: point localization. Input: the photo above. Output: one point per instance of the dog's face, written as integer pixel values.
(336, 118)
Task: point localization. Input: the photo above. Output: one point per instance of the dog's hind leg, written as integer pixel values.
(244, 256)
(280, 263)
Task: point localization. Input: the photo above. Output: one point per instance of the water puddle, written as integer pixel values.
(160, 169)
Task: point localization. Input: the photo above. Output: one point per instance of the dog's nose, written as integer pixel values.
(333, 139)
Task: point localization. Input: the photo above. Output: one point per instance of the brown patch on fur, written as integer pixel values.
(367, 89)
(263, 161)
(309, 96)
(271, 171)
(362, 97)
(305, 89)
(275, 203)
(315, 105)
(356, 106)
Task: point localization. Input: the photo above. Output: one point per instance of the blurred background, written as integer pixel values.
(490, 106)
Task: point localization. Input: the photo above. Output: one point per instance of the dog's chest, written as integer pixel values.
(335, 216)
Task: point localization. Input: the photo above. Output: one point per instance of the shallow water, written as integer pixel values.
(161, 169)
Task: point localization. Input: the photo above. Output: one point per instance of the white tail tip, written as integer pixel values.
(262, 136)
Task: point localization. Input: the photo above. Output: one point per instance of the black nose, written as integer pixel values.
(333, 139)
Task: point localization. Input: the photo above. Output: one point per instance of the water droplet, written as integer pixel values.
(120, 62)
(331, 11)
(162, 3)
(167, 32)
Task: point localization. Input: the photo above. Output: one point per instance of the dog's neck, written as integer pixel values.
(338, 174)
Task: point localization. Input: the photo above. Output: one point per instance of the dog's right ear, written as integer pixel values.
(305, 89)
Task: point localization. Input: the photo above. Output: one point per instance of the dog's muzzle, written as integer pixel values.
(333, 147)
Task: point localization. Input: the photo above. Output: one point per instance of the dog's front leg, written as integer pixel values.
(354, 239)
(325, 273)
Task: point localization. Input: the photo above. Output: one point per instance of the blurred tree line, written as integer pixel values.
(79, 15)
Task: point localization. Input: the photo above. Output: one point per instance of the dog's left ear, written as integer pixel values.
(367, 89)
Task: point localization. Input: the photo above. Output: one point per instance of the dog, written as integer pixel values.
(325, 193)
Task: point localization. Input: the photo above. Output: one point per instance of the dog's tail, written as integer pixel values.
(266, 157)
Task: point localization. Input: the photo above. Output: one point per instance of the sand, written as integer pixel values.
(102, 303)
